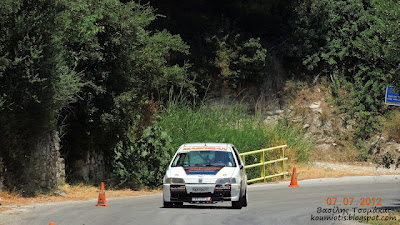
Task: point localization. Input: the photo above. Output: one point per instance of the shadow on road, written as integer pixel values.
(393, 207)
(200, 207)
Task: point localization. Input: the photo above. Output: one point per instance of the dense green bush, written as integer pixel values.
(237, 60)
(143, 162)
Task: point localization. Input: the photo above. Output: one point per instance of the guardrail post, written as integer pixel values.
(263, 165)
(283, 161)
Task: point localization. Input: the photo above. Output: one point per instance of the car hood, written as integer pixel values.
(200, 174)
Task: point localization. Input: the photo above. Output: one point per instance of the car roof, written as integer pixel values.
(206, 145)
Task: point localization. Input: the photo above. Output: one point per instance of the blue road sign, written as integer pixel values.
(392, 97)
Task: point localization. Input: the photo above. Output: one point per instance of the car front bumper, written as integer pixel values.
(187, 193)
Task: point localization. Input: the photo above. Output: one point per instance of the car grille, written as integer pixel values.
(180, 194)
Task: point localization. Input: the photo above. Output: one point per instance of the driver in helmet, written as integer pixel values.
(222, 158)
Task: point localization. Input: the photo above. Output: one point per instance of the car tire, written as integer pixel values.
(244, 204)
(168, 204)
(238, 204)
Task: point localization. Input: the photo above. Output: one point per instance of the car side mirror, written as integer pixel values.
(241, 166)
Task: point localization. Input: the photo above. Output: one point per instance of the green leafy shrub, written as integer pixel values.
(387, 160)
(239, 60)
(143, 162)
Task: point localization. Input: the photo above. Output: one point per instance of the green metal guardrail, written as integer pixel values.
(263, 163)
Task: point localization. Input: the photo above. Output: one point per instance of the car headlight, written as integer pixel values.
(226, 181)
(174, 180)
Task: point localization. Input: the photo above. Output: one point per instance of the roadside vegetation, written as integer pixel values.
(103, 73)
(230, 124)
(233, 124)
(392, 218)
(391, 125)
(180, 122)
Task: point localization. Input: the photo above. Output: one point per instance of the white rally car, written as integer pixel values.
(205, 173)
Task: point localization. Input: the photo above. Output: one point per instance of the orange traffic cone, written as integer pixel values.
(102, 197)
(293, 183)
(52, 223)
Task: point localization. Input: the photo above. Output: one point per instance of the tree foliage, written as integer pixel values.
(82, 67)
(353, 42)
(238, 61)
(37, 79)
(124, 64)
(228, 39)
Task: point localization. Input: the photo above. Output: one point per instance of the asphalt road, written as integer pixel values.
(268, 204)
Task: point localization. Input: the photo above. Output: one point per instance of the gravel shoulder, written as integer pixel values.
(371, 168)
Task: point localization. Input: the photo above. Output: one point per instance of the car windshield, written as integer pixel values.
(204, 158)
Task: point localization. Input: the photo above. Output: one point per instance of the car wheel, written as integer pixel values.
(245, 199)
(168, 204)
(238, 204)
